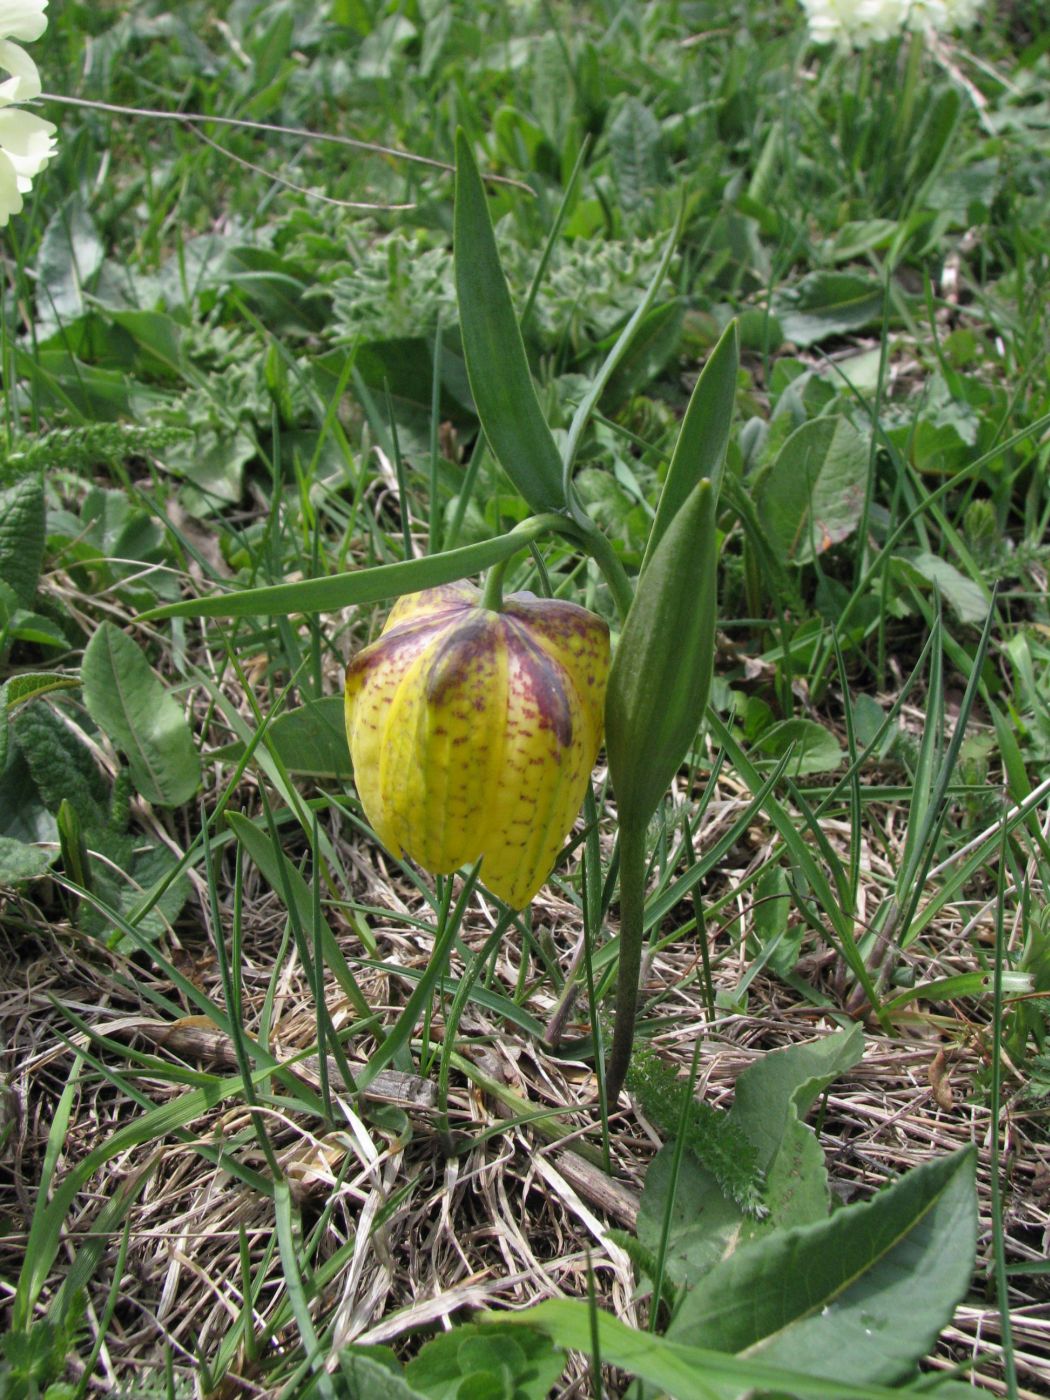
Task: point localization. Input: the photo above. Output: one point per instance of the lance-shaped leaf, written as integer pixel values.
(661, 673)
(701, 447)
(498, 370)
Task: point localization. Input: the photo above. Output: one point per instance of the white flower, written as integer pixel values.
(27, 142)
(858, 23)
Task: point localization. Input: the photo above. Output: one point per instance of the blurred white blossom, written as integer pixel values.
(858, 23)
(27, 142)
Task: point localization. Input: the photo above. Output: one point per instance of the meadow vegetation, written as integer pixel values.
(257, 1139)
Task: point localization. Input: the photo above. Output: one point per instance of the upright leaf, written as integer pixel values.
(22, 525)
(661, 673)
(704, 435)
(636, 149)
(500, 380)
(812, 497)
(129, 704)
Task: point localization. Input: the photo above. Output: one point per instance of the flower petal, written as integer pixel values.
(23, 19)
(10, 196)
(24, 83)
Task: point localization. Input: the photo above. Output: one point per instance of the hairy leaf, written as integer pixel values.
(129, 704)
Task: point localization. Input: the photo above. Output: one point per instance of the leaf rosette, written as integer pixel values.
(473, 732)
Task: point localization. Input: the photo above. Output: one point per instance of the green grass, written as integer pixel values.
(252, 1120)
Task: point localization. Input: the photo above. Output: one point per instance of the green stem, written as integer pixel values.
(583, 531)
(603, 554)
(493, 595)
(632, 925)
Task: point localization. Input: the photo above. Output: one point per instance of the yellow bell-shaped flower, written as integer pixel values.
(473, 733)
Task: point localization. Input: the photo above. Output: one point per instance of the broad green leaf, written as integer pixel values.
(825, 304)
(22, 527)
(661, 672)
(61, 766)
(28, 685)
(863, 1293)
(705, 1224)
(359, 586)
(310, 740)
(17, 690)
(772, 1097)
(636, 151)
(500, 379)
(131, 706)
(653, 343)
(967, 599)
(20, 862)
(812, 497)
(686, 1372)
(518, 1362)
(811, 747)
(71, 253)
(703, 437)
(784, 1084)
(774, 938)
(369, 1378)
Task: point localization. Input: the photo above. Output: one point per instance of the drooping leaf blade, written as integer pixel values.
(358, 586)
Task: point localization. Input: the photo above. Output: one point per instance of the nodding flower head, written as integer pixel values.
(473, 733)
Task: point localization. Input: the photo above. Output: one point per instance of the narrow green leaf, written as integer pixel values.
(863, 1293)
(358, 586)
(703, 437)
(129, 704)
(787, 827)
(269, 860)
(661, 673)
(500, 379)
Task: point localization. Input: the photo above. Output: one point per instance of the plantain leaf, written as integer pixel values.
(128, 702)
(704, 435)
(19, 861)
(685, 1371)
(500, 379)
(16, 690)
(22, 524)
(862, 1293)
